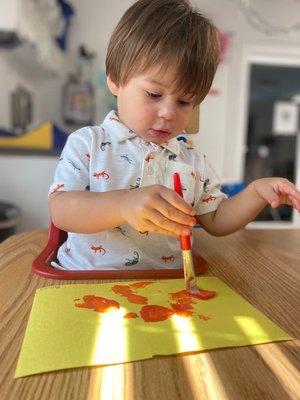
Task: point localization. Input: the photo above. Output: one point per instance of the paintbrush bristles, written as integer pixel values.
(188, 268)
(187, 258)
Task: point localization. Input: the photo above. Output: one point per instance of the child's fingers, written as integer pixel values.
(295, 197)
(282, 192)
(271, 197)
(289, 190)
(295, 203)
(176, 201)
(286, 194)
(289, 200)
(151, 227)
(167, 224)
(291, 193)
(169, 212)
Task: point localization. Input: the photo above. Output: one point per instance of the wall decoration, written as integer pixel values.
(285, 118)
(47, 138)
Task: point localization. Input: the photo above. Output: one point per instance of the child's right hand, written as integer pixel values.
(157, 209)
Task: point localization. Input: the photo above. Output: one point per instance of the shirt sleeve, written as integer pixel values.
(72, 171)
(210, 190)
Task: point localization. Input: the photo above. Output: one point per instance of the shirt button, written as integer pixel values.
(150, 170)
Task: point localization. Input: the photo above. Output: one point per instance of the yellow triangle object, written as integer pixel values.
(39, 138)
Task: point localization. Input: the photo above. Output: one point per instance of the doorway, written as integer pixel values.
(270, 149)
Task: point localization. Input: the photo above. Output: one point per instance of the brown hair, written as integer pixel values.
(165, 33)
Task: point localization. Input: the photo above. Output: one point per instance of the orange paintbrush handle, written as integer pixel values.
(185, 240)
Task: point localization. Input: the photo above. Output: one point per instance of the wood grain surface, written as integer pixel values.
(262, 266)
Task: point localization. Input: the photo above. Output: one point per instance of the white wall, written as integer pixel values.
(25, 182)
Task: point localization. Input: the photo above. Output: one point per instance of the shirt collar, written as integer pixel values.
(113, 125)
(173, 146)
(121, 132)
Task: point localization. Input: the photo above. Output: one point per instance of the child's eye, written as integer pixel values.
(153, 95)
(184, 102)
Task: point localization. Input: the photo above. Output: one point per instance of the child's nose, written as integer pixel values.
(167, 111)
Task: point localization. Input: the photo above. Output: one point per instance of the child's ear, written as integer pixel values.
(112, 86)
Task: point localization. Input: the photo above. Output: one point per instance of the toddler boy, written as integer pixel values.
(113, 190)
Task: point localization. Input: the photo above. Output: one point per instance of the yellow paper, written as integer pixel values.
(62, 334)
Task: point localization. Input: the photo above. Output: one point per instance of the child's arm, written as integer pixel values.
(152, 208)
(85, 212)
(236, 212)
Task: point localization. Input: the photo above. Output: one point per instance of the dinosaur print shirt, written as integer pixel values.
(111, 157)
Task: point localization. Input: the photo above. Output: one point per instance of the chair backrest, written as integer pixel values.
(56, 237)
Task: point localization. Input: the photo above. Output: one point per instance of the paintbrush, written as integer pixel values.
(185, 244)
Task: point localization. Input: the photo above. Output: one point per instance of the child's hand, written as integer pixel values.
(277, 191)
(157, 209)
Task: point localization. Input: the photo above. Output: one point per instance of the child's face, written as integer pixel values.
(149, 106)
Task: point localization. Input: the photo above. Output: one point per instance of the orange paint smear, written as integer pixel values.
(182, 310)
(138, 285)
(131, 315)
(155, 313)
(204, 294)
(184, 297)
(126, 291)
(97, 303)
(184, 301)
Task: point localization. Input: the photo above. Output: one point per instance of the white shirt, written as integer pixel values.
(111, 157)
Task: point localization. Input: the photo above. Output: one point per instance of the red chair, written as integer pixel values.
(42, 265)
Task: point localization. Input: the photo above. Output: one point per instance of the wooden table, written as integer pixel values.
(263, 266)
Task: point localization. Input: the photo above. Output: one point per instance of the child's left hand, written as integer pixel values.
(277, 191)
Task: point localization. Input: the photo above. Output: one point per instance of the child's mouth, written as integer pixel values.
(157, 133)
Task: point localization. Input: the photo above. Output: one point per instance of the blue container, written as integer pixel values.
(233, 188)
